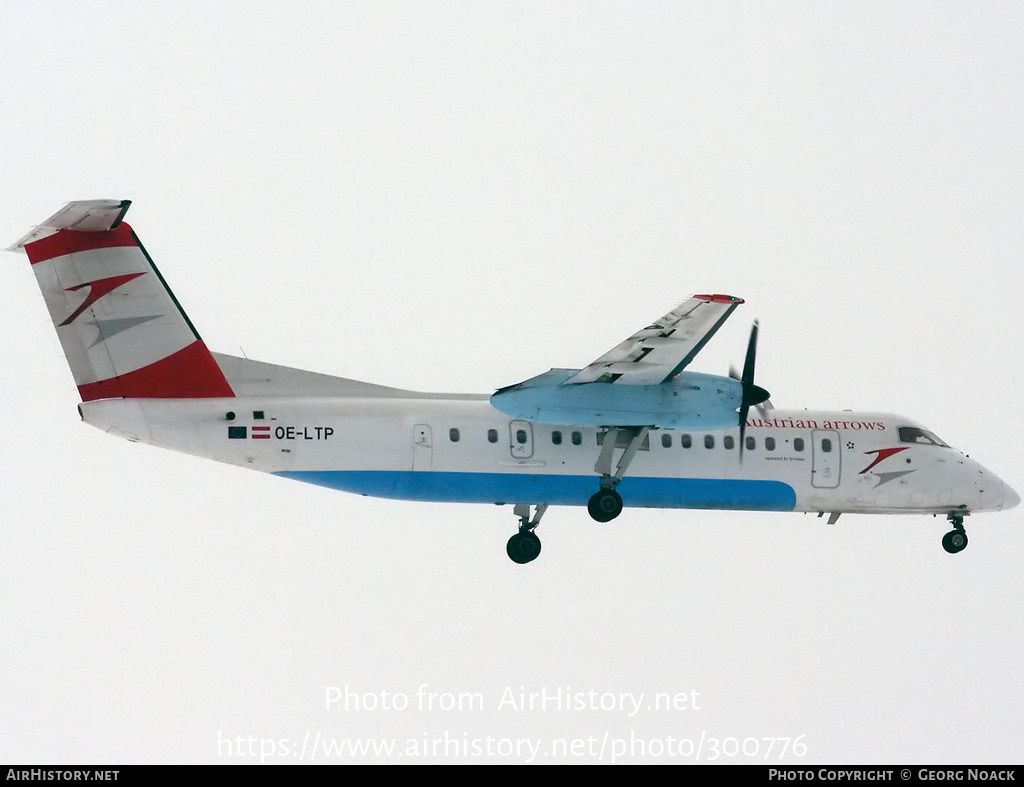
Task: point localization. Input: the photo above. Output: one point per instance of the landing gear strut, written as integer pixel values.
(606, 503)
(956, 539)
(524, 546)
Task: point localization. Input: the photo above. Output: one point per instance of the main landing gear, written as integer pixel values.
(606, 503)
(956, 539)
(524, 546)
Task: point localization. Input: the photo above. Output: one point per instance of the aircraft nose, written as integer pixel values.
(1010, 498)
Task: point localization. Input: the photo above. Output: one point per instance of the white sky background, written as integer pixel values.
(456, 197)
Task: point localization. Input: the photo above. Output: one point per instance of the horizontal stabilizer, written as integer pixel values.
(93, 215)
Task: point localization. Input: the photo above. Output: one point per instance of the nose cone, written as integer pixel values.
(1010, 498)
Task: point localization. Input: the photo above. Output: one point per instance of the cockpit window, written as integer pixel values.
(914, 434)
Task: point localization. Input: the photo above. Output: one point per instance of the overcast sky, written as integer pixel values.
(457, 196)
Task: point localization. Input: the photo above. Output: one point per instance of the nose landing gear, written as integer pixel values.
(956, 539)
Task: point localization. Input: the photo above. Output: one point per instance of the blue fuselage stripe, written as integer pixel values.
(568, 490)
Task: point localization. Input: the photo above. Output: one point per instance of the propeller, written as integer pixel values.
(752, 394)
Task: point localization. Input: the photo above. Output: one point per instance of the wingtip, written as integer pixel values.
(720, 298)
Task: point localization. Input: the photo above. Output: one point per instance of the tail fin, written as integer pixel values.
(122, 329)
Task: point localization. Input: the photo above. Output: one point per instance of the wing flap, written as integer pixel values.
(658, 352)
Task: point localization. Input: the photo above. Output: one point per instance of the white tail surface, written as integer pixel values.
(122, 329)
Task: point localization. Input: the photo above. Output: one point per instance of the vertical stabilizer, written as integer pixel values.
(123, 332)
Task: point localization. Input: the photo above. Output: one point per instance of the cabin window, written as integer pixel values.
(685, 440)
(798, 443)
(769, 444)
(556, 437)
(826, 446)
(492, 435)
(453, 434)
(666, 440)
(728, 442)
(751, 443)
(521, 436)
(914, 434)
(709, 441)
(577, 438)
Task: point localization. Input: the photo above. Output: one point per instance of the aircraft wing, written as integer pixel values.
(660, 351)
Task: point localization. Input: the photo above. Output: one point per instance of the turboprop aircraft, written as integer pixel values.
(635, 427)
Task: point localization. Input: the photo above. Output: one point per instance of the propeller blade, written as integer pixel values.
(748, 362)
(753, 395)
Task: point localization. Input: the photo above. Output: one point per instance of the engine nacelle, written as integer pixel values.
(691, 401)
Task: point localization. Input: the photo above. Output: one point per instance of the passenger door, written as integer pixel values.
(520, 439)
(827, 459)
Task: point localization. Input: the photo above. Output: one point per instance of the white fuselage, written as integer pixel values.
(458, 448)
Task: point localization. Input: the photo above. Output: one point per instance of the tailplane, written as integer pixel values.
(123, 332)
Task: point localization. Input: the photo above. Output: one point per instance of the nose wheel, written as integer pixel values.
(956, 539)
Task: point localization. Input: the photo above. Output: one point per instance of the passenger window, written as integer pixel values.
(492, 435)
(577, 438)
(521, 436)
(729, 442)
(769, 444)
(453, 435)
(709, 441)
(826, 446)
(666, 440)
(751, 443)
(798, 443)
(556, 437)
(685, 440)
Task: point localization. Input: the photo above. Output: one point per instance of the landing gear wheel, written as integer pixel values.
(605, 505)
(954, 541)
(523, 547)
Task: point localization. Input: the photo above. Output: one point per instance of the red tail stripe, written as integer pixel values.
(190, 373)
(70, 241)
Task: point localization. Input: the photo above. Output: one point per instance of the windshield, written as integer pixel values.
(914, 434)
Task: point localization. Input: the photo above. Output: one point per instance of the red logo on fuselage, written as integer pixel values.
(883, 453)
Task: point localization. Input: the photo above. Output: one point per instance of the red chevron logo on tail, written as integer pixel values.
(97, 290)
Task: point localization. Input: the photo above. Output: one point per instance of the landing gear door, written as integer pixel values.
(520, 439)
(422, 447)
(827, 460)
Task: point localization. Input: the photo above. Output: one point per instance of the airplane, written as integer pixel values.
(635, 427)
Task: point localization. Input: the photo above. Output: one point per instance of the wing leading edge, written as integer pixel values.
(657, 353)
